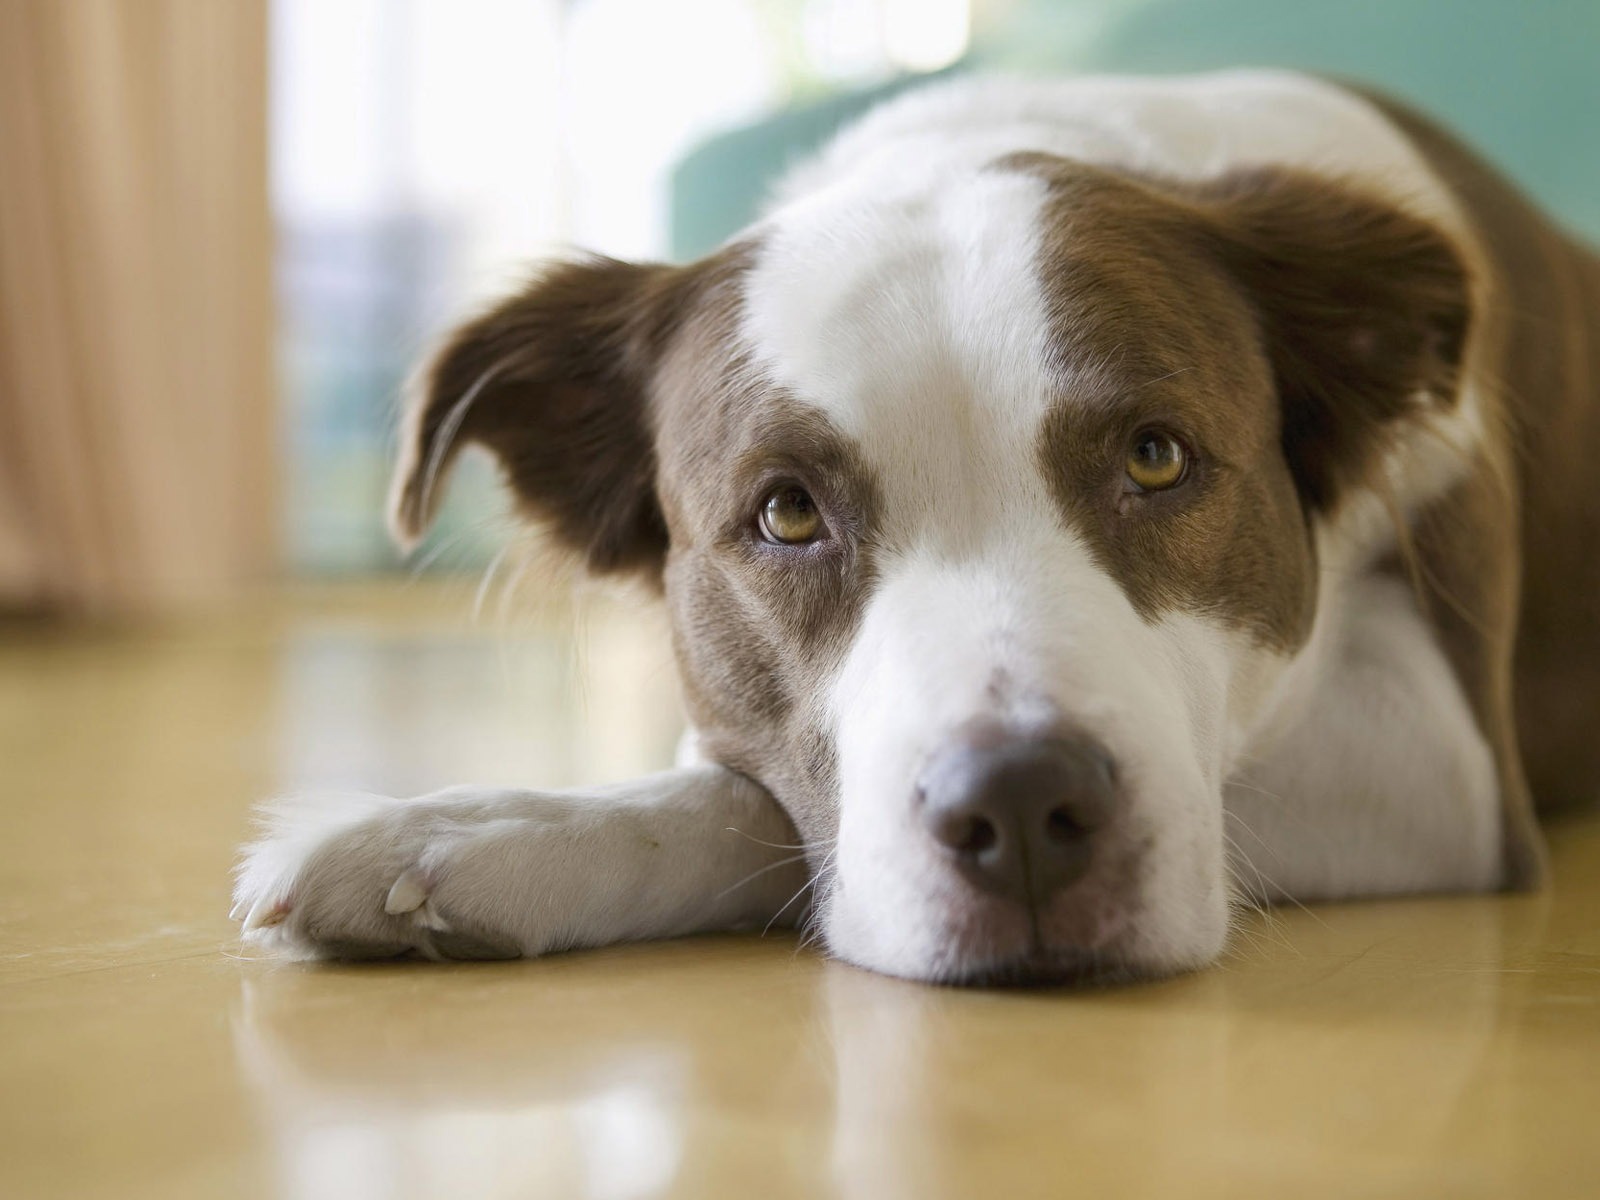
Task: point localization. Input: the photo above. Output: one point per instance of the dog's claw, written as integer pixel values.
(407, 893)
(428, 917)
(264, 914)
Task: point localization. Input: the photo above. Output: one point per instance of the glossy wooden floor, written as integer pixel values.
(1432, 1048)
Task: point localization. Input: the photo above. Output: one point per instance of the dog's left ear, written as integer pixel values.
(1363, 310)
(555, 382)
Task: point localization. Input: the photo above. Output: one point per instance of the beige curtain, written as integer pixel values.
(137, 436)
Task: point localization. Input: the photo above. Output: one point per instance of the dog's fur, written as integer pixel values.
(1307, 661)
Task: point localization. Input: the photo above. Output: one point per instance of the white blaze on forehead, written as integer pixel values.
(875, 285)
(912, 316)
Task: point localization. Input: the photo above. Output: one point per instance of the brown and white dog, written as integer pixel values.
(1082, 506)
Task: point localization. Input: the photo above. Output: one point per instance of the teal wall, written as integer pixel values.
(1519, 80)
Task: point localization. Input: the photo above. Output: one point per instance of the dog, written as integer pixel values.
(1083, 508)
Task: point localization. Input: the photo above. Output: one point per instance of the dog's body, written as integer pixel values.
(1069, 496)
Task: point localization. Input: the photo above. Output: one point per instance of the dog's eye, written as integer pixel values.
(1157, 461)
(789, 516)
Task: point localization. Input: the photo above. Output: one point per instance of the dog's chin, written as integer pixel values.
(1004, 963)
(1051, 968)
(1039, 968)
(1003, 951)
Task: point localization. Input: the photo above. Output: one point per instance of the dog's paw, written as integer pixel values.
(360, 877)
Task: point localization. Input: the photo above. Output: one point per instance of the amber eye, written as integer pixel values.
(789, 516)
(1157, 461)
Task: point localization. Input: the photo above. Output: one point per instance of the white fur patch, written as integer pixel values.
(483, 872)
(1026, 630)
(1369, 775)
(289, 830)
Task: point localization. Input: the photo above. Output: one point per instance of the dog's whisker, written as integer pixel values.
(1258, 790)
(802, 891)
(422, 563)
(1240, 856)
(1162, 378)
(760, 871)
(1265, 886)
(1270, 927)
(1244, 827)
(758, 841)
(487, 581)
(1285, 893)
(1287, 809)
(811, 929)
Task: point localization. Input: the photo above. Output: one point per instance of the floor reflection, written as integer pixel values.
(574, 1076)
(639, 1071)
(1191, 1086)
(576, 701)
(354, 1109)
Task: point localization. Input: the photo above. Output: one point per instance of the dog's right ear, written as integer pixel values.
(555, 383)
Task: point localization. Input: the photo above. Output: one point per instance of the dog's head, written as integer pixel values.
(986, 515)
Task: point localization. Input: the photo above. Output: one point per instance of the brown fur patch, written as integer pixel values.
(1539, 357)
(1279, 325)
(1462, 562)
(759, 629)
(555, 382)
(1357, 307)
(1149, 333)
(1362, 309)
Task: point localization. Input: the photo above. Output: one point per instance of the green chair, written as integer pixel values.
(1521, 81)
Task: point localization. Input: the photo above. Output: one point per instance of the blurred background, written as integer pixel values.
(227, 229)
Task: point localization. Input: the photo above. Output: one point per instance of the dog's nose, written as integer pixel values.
(1017, 815)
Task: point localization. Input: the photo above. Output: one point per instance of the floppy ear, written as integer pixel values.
(1363, 312)
(555, 382)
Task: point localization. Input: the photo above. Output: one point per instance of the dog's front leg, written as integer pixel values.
(479, 873)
